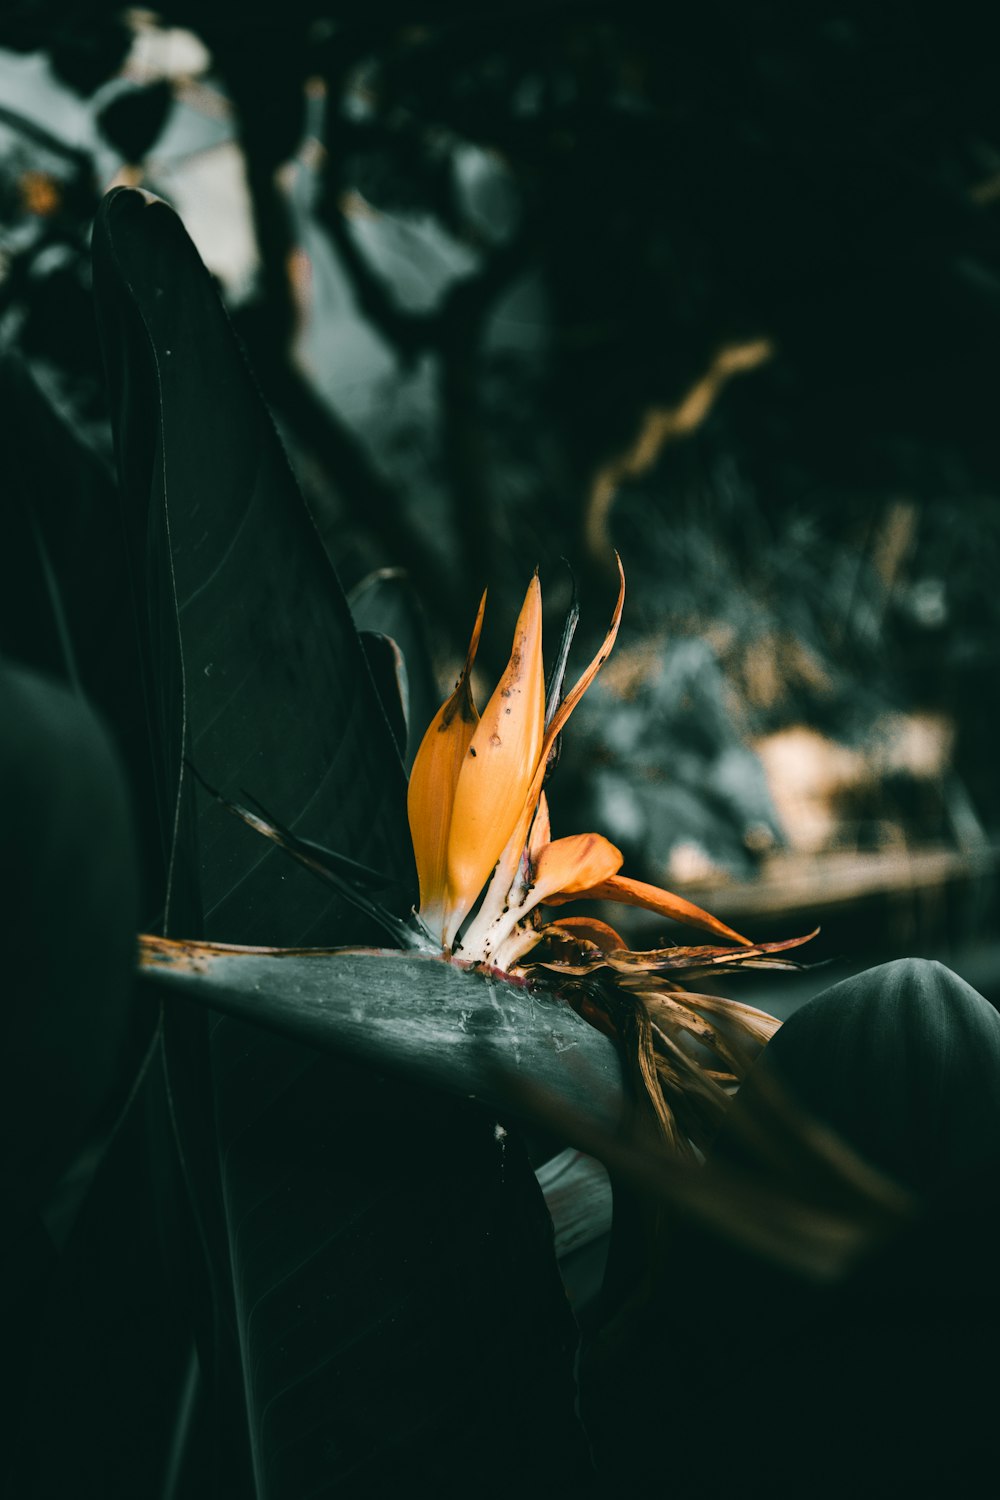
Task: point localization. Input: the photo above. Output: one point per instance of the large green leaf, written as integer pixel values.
(386, 1260)
(473, 1035)
(253, 667)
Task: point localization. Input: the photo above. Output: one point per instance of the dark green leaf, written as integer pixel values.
(90, 1275)
(66, 923)
(386, 602)
(473, 1035)
(66, 603)
(388, 669)
(253, 667)
(133, 119)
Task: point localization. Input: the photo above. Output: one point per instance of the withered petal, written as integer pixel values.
(573, 864)
(587, 929)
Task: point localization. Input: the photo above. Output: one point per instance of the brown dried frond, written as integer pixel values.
(639, 998)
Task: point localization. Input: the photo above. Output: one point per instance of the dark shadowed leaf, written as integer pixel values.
(386, 602)
(90, 1278)
(388, 669)
(67, 926)
(254, 669)
(65, 603)
(133, 119)
(387, 1258)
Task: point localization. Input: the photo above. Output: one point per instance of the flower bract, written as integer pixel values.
(493, 879)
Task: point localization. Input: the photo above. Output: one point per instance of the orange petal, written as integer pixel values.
(510, 856)
(652, 898)
(498, 767)
(433, 780)
(577, 691)
(569, 864)
(573, 864)
(507, 889)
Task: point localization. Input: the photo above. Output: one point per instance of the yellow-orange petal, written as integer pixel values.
(432, 784)
(498, 767)
(573, 864)
(652, 898)
(577, 691)
(511, 853)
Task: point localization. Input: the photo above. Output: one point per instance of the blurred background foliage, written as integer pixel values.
(716, 286)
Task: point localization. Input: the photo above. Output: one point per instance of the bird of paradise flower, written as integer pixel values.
(488, 867)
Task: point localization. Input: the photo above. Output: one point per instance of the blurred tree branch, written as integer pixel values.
(270, 323)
